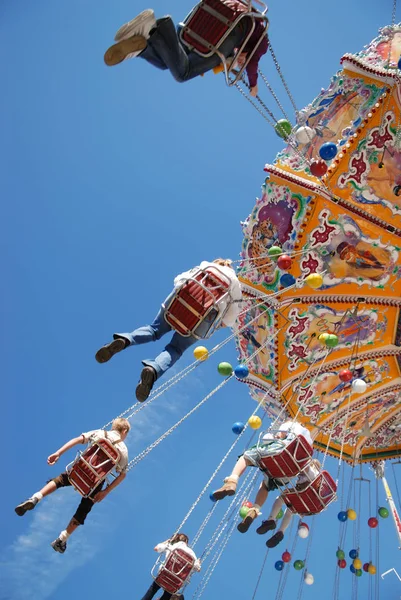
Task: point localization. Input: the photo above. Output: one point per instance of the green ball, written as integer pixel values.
(331, 340)
(340, 554)
(383, 512)
(299, 564)
(225, 368)
(358, 572)
(243, 511)
(283, 128)
(274, 251)
(280, 514)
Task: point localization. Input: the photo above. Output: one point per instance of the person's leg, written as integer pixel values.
(279, 535)
(230, 483)
(154, 587)
(50, 487)
(166, 595)
(270, 522)
(171, 353)
(254, 511)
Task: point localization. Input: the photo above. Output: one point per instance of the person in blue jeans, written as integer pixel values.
(155, 368)
(157, 41)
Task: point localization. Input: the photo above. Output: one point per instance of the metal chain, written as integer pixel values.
(273, 93)
(203, 525)
(239, 88)
(278, 68)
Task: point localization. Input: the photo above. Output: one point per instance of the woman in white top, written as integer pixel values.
(228, 310)
(179, 541)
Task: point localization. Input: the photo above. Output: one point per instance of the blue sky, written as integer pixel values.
(113, 181)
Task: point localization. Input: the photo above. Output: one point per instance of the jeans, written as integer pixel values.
(152, 591)
(165, 51)
(150, 333)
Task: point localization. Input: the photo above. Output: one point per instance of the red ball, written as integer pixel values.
(284, 262)
(247, 504)
(373, 522)
(302, 524)
(345, 375)
(286, 556)
(366, 567)
(342, 563)
(318, 168)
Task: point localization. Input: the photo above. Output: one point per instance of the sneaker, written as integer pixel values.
(275, 539)
(27, 505)
(228, 489)
(266, 526)
(143, 389)
(245, 524)
(109, 350)
(124, 50)
(141, 25)
(59, 546)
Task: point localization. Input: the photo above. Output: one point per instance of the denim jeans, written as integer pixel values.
(150, 333)
(152, 591)
(165, 51)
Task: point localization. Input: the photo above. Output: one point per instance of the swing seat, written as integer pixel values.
(175, 571)
(92, 466)
(289, 461)
(193, 309)
(314, 498)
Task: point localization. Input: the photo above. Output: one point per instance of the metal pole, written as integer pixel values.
(394, 512)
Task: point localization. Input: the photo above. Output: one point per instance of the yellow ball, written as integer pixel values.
(357, 563)
(314, 280)
(254, 422)
(201, 353)
(323, 337)
(352, 516)
(372, 570)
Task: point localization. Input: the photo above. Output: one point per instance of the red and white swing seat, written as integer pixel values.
(314, 498)
(289, 461)
(175, 571)
(209, 24)
(92, 466)
(193, 309)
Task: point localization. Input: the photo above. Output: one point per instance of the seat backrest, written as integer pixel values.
(93, 466)
(313, 499)
(290, 460)
(175, 571)
(209, 25)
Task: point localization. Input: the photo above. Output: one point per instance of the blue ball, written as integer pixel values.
(238, 427)
(241, 371)
(342, 516)
(352, 569)
(279, 565)
(399, 63)
(286, 280)
(353, 553)
(328, 151)
(212, 498)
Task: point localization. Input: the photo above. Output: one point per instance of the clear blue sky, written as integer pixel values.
(114, 180)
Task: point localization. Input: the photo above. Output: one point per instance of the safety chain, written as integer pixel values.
(278, 68)
(273, 93)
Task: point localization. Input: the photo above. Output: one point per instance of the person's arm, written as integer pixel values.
(234, 308)
(103, 493)
(53, 458)
(253, 65)
(197, 565)
(162, 547)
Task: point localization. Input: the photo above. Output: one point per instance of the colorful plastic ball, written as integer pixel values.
(224, 368)
(284, 262)
(299, 564)
(243, 511)
(286, 556)
(247, 503)
(340, 554)
(345, 375)
(303, 524)
(372, 570)
(323, 337)
(274, 251)
(327, 151)
(318, 168)
(351, 514)
(283, 128)
(383, 512)
(357, 563)
(373, 522)
(314, 280)
(352, 569)
(342, 516)
(305, 134)
(254, 422)
(331, 340)
(241, 371)
(359, 386)
(366, 567)
(212, 498)
(309, 579)
(342, 563)
(286, 280)
(201, 353)
(303, 532)
(280, 514)
(358, 572)
(279, 565)
(238, 427)
(353, 553)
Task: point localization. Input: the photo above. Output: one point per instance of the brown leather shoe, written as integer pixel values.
(106, 352)
(124, 49)
(245, 524)
(266, 526)
(228, 489)
(144, 387)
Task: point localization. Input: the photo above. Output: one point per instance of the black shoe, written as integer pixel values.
(266, 526)
(143, 389)
(59, 546)
(24, 506)
(104, 354)
(248, 520)
(275, 539)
